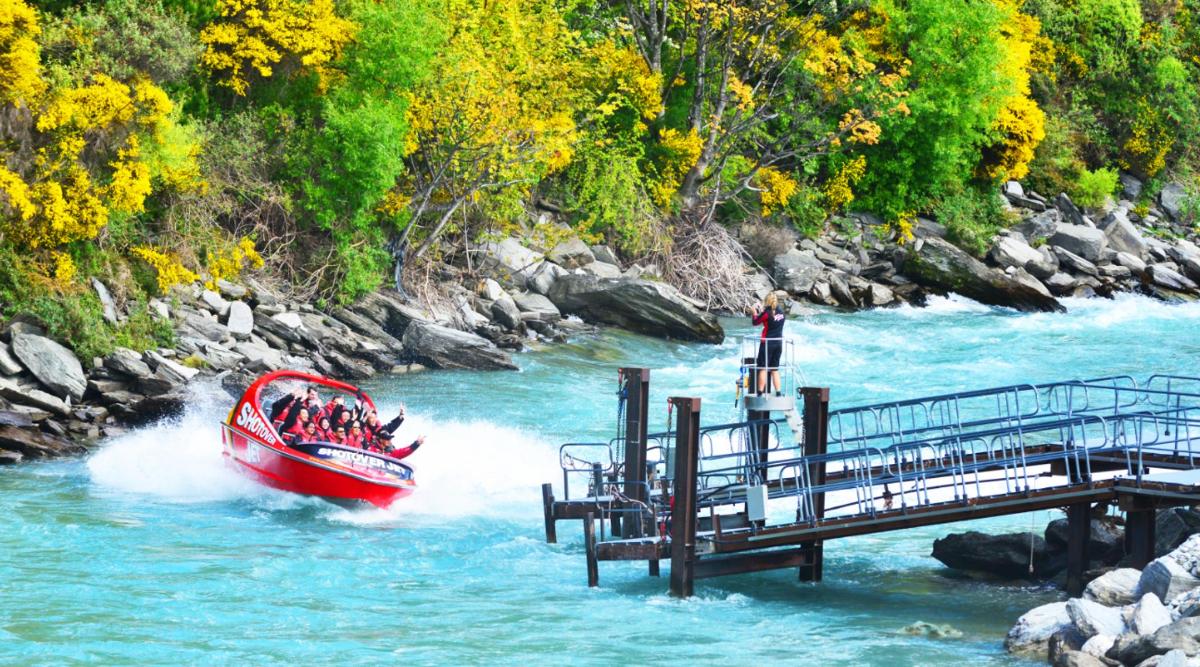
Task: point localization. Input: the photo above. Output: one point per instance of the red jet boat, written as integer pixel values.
(340, 474)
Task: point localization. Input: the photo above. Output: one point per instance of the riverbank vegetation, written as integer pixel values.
(148, 143)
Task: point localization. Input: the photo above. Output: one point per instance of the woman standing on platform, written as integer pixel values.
(770, 346)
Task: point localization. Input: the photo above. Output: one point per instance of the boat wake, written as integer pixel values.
(466, 468)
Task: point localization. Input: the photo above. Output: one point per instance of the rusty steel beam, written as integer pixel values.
(816, 441)
(1079, 522)
(548, 511)
(683, 504)
(589, 545)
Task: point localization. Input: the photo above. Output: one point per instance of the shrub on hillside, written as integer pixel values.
(1093, 187)
(972, 216)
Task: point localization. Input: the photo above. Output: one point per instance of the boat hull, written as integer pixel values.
(305, 473)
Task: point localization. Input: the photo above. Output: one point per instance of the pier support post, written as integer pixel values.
(1079, 529)
(589, 544)
(636, 384)
(548, 511)
(683, 510)
(1139, 534)
(816, 442)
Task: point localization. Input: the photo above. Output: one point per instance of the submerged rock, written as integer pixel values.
(942, 266)
(652, 308)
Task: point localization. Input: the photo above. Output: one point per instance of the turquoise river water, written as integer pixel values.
(149, 551)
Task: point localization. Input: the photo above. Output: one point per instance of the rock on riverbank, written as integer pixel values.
(1124, 617)
(52, 403)
(1054, 249)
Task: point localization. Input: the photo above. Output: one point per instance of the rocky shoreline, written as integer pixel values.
(1126, 616)
(53, 404)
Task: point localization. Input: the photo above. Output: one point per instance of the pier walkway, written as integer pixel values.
(768, 491)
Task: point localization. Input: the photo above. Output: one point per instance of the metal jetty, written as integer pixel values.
(767, 492)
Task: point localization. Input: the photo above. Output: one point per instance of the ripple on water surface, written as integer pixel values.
(152, 552)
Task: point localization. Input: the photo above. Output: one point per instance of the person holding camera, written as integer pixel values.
(770, 346)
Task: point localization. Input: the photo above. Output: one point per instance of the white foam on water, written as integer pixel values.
(473, 468)
(943, 305)
(176, 460)
(464, 468)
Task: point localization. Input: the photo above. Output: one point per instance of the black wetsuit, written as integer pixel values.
(771, 347)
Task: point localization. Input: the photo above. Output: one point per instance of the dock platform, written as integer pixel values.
(769, 491)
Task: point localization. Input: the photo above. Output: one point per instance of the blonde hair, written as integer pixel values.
(771, 300)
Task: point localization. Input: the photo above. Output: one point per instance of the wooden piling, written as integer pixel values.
(548, 512)
(1079, 529)
(816, 442)
(589, 544)
(683, 511)
(636, 382)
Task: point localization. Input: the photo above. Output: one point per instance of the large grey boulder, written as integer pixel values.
(127, 362)
(387, 309)
(1114, 589)
(1087, 242)
(1031, 633)
(604, 253)
(1132, 262)
(1149, 615)
(1166, 578)
(536, 306)
(1071, 214)
(32, 397)
(259, 356)
(8, 363)
(1183, 635)
(509, 261)
(201, 326)
(1040, 226)
(1004, 555)
(1061, 283)
(571, 254)
(652, 308)
(603, 270)
(52, 364)
(240, 320)
(1073, 262)
(436, 346)
(543, 279)
(942, 267)
(796, 271)
(1168, 278)
(107, 305)
(1172, 197)
(214, 302)
(1092, 618)
(1015, 252)
(504, 311)
(1122, 235)
(1131, 186)
(34, 444)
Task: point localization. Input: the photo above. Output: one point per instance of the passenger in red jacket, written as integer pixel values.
(355, 437)
(400, 452)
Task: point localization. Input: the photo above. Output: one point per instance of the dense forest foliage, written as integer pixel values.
(154, 142)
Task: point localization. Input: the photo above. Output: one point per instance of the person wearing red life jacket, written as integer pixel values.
(355, 437)
(338, 437)
(323, 429)
(399, 452)
(310, 433)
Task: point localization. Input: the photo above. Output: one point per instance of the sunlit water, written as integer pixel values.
(151, 552)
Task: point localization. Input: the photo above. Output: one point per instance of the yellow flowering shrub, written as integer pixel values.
(622, 78)
(168, 269)
(839, 190)
(88, 144)
(263, 36)
(1020, 125)
(20, 59)
(681, 151)
(1149, 142)
(228, 263)
(775, 189)
(64, 268)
